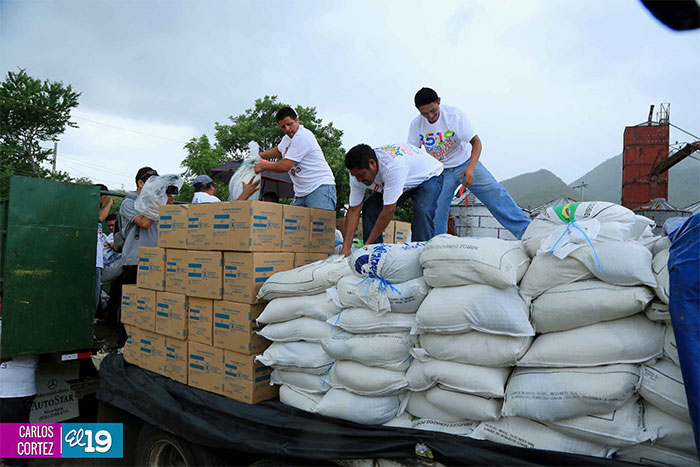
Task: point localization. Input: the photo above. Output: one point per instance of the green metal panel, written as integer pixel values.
(48, 267)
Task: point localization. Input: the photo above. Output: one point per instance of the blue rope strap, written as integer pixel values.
(383, 284)
(325, 374)
(575, 225)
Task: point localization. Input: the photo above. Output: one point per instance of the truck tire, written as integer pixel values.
(158, 448)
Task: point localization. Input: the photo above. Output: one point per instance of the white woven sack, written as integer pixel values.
(550, 394)
(300, 329)
(451, 406)
(306, 357)
(153, 194)
(621, 263)
(628, 340)
(477, 307)
(288, 308)
(364, 321)
(459, 428)
(660, 267)
(670, 347)
(622, 427)
(662, 386)
(393, 262)
(472, 379)
(385, 350)
(582, 303)
(515, 431)
(370, 293)
(546, 272)
(669, 431)
(366, 410)
(662, 243)
(302, 400)
(306, 382)
(448, 261)
(658, 311)
(244, 174)
(473, 347)
(653, 455)
(310, 279)
(366, 380)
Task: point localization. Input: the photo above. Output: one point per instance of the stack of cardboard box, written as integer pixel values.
(395, 232)
(191, 315)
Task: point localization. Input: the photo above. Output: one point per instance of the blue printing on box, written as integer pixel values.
(222, 325)
(261, 279)
(194, 265)
(194, 274)
(144, 349)
(165, 226)
(170, 270)
(140, 307)
(144, 259)
(194, 318)
(222, 216)
(169, 355)
(221, 226)
(199, 367)
(162, 313)
(197, 357)
(263, 218)
(194, 310)
(222, 315)
(260, 225)
(143, 268)
(166, 218)
(163, 305)
(262, 378)
(264, 269)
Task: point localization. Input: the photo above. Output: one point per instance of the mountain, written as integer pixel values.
(533, 189)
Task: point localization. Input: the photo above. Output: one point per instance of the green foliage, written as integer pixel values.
(201, 157)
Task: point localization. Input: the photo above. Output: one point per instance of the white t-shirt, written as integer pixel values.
(311, 169)
(401, 168)
(447, 140)
(17, 377)
(100, 246)
(202, 197)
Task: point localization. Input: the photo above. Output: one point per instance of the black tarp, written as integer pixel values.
(273, 429)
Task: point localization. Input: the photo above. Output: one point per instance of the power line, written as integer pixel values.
(93, 166)
(681, 129)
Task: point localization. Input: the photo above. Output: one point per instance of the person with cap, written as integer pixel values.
(205, 190)
(300, 154)
(449, 137)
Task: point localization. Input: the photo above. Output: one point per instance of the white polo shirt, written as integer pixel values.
(311, 169)
(202, 197)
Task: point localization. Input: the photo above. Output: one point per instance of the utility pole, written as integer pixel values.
(581, 187)
(55, 151)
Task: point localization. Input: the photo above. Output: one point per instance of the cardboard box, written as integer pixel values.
(402, 232)
(151, 270)
(302, 259)
(172, 226)
(176, 359)
(245, 273)
(131, 347)
(129, 298)
(247, 226)
(296, 222)
(200, 320)
(246, 380)
(235, 327)
(340, 225)
(176, 271)
(204, 278)
(146, 309)
(171, 314)
(322, 231)
(152, 352)
(200, 218)
(205, 367)
(388, 234)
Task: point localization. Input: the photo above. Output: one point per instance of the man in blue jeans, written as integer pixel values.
(449, 137)
(394, 173)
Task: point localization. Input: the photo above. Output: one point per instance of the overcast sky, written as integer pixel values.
(547, 84)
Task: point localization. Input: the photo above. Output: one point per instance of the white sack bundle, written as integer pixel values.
(338, 403)
(622, 427)
(386, 350)
(300, 329)
(472, 379)
(306, 382)
(392, 262)
(669, 431)
(619, 263)
(288, 308)
(296, 356)
(474, 307)
(660, 267)
(459, 428)
(473, 347)
(662, 386)
(366, 380)
(546, 272)
(153, 194)
(402, 297)
(450, 406)
(570, 306)
(310, 279)
(670, 347)
(448, 261)
(515, 431)
(628, 340)
(658, 311)
(364, 321)
(647, 454)
(244, 173)
(550, 394)
(299, 399)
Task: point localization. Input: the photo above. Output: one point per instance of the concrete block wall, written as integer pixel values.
(477, 221)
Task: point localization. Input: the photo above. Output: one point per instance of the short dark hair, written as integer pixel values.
(358, 157)
(425, 96)
(285, 112)
(199, 188)
(144, 174)
(102, 187)
(271, 197)
(111, 217)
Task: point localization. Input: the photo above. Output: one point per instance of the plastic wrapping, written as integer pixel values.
(154, 194)
(244, 173)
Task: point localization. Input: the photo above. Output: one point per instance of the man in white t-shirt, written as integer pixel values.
(449, 137)
(205, 190)
(395, 173)
(302, 157)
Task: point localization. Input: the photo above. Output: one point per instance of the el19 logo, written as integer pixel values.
(92, 440)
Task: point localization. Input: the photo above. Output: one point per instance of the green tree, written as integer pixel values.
(31, 112)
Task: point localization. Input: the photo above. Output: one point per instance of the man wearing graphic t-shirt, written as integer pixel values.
(395, 173)
(302, 157)
(449, 137)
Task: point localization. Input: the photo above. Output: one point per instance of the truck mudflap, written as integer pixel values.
(273, 429)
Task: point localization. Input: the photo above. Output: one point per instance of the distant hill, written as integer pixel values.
(533, 189)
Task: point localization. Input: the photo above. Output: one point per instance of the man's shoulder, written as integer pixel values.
(417, 121)
(305, 133)
(451, 111)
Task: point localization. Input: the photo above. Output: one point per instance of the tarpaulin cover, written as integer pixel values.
(273, 429)
(684, 306)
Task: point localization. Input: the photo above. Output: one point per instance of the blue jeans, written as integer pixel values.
(424, 200)
(322, 197)
(489, 191)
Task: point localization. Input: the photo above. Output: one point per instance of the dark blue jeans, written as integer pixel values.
(424, 198)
